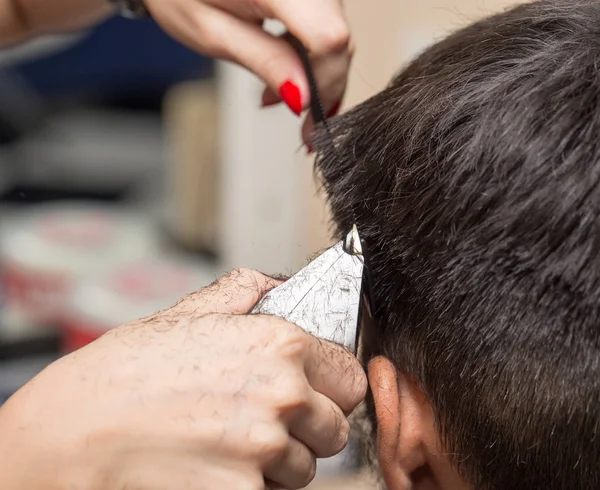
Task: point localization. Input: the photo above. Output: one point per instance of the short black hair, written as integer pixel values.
(475, 179)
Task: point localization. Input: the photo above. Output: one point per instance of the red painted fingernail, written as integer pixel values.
(334, 110)
(290, 93)
(309, 149)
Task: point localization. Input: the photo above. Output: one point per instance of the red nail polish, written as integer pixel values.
(334, 110)
(290, 93)
(309, 149)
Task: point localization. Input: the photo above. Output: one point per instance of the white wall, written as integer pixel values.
(262, 153)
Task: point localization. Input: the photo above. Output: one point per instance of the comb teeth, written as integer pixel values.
(316, 105)
(317, 109)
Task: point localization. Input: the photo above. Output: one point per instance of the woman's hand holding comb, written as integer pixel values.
(232, 30)
(227, 29)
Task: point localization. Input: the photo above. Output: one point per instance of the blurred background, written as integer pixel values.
(134, 171)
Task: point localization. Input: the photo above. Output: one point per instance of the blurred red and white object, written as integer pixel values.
(127, 293)
(45, 249)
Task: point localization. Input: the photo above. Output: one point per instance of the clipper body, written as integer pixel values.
(324, 298)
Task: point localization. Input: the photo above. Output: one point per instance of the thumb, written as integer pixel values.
(235, 293)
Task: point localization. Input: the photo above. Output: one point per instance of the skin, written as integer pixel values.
(410, 454)
(226, 29)
(199, 396)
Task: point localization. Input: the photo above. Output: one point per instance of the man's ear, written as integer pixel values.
(405, 428)
(409, 450)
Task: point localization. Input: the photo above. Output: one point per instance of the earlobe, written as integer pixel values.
(399, 407)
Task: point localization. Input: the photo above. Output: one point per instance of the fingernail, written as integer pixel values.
(334, 110)
(309, 149)
(290, 93)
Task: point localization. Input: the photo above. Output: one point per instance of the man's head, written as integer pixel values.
(475, 179)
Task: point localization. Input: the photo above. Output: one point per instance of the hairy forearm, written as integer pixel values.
(23, 19)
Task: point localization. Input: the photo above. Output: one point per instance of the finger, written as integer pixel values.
(319, 24)
(235, 293)
(321, 27)
(322, 427)
(217, 33)
(334, 372)
(331, 75)
(273, 60)
(296, 469)
(269, 98)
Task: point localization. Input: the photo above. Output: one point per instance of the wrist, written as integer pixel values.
(29, 18)
(32, 456)
(44, 443)
(13, 23)
(13, 461)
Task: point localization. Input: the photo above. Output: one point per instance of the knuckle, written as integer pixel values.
(356, 383)
(247, 279)
(293, 396)
(270, 443)
(308, 474)
(341, 437)
(338, 437)
(291, 342)
(206, 31)
(335, 39)
(351, 47)
(359, 390)
(242, 276)
(242, 273)
(312, 471)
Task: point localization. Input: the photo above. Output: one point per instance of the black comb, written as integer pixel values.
(320, 117)
(316, 106)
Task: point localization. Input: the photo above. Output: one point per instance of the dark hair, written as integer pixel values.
(475, 178)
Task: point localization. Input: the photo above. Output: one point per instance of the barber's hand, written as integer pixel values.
(232, 30)
(195, 397)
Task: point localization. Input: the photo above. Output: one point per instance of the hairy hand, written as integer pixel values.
(199, 396)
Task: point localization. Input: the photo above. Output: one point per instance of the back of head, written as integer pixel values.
(475, 178)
